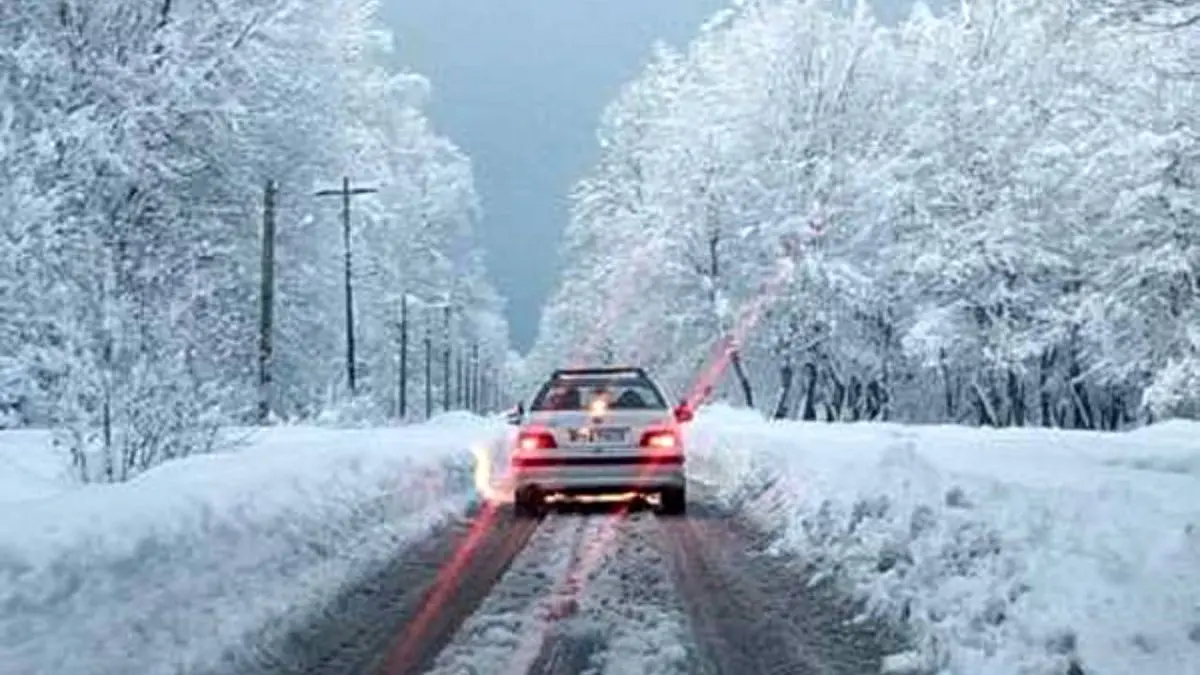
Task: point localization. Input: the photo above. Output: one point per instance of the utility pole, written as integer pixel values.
(266, 299)
(446, 359)
(496, 390)
(346, 193)
(484, 405)
(459, 399)
(428, 372)
(473, 390)
(483, 390)
(402, 394)
(466, 381)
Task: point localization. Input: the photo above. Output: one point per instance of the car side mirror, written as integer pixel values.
(684, 413)
(516, 415)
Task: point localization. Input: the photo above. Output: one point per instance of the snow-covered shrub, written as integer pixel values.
(17, 394)
(362, 411)
(1175, 392)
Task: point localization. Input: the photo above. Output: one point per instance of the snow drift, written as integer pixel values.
(164, 572)
(1008, 552)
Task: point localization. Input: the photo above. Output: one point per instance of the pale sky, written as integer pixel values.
(519, 85)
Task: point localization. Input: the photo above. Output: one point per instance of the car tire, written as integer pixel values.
(527, 504)
(674, 501)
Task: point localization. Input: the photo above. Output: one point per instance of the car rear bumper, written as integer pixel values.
(578, 475)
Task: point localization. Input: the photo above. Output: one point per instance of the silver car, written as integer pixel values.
(593, 431)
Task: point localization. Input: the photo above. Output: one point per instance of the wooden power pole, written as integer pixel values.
(458, 379)
(428, 372)
(468, 384)
(346, 193)
(402, 394)
(266, 311)
(484, 407)
(476, 404)
(446, 359)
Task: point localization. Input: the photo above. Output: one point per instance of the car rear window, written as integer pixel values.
(577, 393)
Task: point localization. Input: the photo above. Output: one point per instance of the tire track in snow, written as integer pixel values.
(631, 604)
(751, 612)
(472, 584)
(589, 596)
(611, 595)
(491, 639)
(353, 632)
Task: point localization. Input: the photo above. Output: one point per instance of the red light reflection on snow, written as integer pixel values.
(447, 580)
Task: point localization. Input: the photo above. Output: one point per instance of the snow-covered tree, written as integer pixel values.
(986, 217)
(136, 138)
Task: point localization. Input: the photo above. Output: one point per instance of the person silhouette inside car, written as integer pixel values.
(566, 398)
(630, 399)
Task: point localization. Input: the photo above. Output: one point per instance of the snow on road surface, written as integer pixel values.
(160, 574)
(1016, 551)
(588, 596)
(493, 635)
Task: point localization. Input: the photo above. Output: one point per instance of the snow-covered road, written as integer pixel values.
(998, 551)
(600, 593)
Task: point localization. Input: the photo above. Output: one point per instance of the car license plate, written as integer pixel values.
(599, 435)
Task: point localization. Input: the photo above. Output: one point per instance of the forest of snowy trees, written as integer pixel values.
(136, 141)
(988, 217)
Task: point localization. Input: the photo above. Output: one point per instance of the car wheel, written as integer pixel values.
(527, 504)
(674, 501)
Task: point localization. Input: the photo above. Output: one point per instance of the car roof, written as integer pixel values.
(601, 376)
(599, 372)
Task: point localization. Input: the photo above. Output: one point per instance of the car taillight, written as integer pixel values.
(660, 440)
(532, 441)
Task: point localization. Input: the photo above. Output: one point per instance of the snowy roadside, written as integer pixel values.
(1008, 551)
(163, 573)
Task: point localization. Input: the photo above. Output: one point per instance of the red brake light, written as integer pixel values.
(684, 413)
(534, 440)
(660, 440)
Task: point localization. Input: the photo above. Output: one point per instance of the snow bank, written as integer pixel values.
(164, 572)
(1010, 552)
(29, 468)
